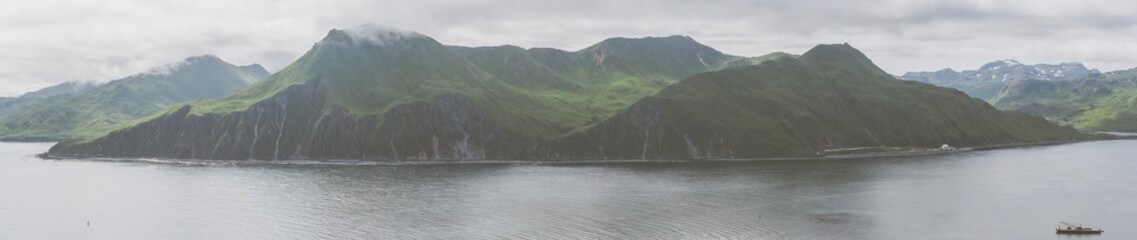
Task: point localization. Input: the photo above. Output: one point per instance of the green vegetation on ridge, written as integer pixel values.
(1102, 103)
(604, 78)
(8, 105)
(94, 111)
(832, 97)
(364, 87)
(541, 92)
(380, 94)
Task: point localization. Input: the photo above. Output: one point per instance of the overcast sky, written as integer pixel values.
(45, 42)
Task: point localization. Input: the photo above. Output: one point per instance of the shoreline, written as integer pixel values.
(357, 162)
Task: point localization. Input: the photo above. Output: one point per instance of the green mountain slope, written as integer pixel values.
(1103, 103)
(1067, 93)
(8, 105)
(604, 78)
(832, 97)
(371, 93)
(380, 94)
(255, 70)
(100, 109)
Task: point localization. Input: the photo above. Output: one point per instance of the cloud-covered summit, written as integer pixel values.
(378, 35)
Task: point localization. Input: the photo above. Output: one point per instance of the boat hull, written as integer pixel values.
(1064, 231)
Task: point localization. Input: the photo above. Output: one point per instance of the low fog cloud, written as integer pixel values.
(47, 42)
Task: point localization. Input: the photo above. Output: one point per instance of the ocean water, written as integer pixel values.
(1019, 193)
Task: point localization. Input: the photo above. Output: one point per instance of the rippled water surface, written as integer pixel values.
(1002, 194)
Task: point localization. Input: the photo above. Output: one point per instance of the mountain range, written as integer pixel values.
(380, 94)
(17, 103)
(81, 110)
(991, 78)
(1066, 93)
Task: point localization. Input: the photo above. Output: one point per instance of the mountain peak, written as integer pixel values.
(651, 38)
(653, 45)
(256, 70)
(1074, 65)
(946, 71)
(675, 56)
(174, 67)
(1000, 64)
(203, 57)
(370, 33)
(840, 56)
(825, 49)
(668, 40)
(843, 50)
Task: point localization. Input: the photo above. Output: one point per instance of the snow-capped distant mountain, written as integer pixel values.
(989, 79)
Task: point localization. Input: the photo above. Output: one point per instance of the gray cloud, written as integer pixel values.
(47, 42)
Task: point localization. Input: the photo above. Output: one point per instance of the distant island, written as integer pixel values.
(371, 93)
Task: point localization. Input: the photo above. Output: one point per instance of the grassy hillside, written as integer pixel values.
(9, 105)
(371, 76)
(364, 87)
(604, 78)
(832, 97)
(1103, 103)
(98, 110)
(1067, 93)
(382, 94)
(541, 93)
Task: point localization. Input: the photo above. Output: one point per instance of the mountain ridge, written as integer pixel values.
(100, 109)
(791, 108)
(1066, 93)
(992, 77)
(367, 89)
(402, 96)
(14, 104)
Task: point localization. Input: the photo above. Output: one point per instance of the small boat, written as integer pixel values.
(1072, 228)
